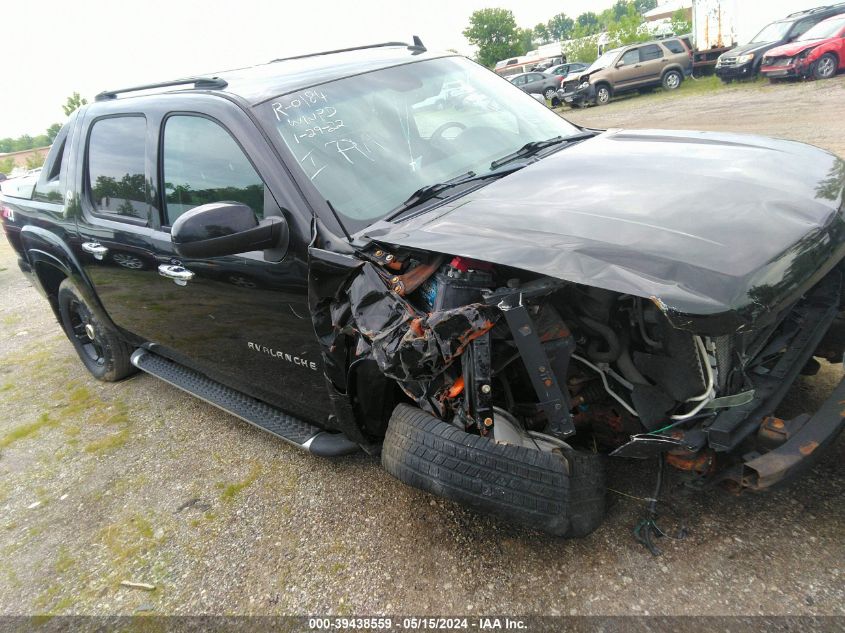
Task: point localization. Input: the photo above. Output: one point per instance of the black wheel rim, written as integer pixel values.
(80, 320)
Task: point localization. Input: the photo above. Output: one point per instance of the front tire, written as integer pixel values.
(602, 94)
(98, 345)
(825, 67)
(560, 495)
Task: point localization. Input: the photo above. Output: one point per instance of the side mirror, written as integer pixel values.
(226, 228)
(620, 64)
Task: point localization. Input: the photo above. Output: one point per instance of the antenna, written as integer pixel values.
(417, 46)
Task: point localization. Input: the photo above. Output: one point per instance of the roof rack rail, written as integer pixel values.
(416, 46)
(815, 9)
(200, 83)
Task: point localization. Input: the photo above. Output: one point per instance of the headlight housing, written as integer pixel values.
(584, 84)
(802, 55)
(744, 59)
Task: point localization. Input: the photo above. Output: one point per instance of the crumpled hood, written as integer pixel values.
(793, 48)
(709, 224)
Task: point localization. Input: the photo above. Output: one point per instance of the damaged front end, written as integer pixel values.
(544, 363)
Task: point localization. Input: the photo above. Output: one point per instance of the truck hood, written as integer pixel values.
(717, 228)
(793, 48)
(758, 48)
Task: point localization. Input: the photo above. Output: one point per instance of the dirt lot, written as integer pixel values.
(137, 481)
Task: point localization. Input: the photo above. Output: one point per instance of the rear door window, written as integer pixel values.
(116, 167)
(650, 52)
(802, 27)
(48, 187)
(202, 163)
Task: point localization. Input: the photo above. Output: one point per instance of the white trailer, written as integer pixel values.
(719, 25)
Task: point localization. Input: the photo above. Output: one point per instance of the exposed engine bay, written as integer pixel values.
(532, 360)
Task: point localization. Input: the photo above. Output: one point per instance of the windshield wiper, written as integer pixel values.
(532, 147)
(431, 191)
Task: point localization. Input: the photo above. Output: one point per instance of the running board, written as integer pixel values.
(284, 426)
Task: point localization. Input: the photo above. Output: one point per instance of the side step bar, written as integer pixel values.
(284, 426)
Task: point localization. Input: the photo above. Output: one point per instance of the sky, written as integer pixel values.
(52, 48)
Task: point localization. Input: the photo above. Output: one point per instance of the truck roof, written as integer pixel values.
(256, 84)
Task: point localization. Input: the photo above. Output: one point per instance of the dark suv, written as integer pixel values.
(743, 62)
(491, 298)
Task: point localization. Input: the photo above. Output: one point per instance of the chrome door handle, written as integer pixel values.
(178, 274)
(96, 249)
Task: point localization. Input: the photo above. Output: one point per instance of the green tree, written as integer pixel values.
(560, 27)
(620, 9)
(53, 132)
(541, 34)
(587, 24)
(73, 102)
(35, 160)
(644, 6)
(525, 39)
(628, 28)
(681, 23)
(24, 141)
(7, 165)
(495, 33)
(582, 50)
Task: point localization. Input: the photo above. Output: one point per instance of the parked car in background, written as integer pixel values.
(544, 65)
(744, 62)
(635, 67)
(539, 83)
(819, 53)
(562, 70)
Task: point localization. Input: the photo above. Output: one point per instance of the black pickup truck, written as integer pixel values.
(488, 296)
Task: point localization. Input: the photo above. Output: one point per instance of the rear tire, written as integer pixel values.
(563, 496)
(98, 345)
(672, 80)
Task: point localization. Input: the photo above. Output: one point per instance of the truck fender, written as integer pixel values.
(45, 251)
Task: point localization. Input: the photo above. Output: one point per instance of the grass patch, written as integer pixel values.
(26, 430)
(230, 491)
(129, 539)
(11, 320)
(64, 561)
(108, 443)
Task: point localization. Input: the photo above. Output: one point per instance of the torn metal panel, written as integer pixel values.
(328, 276)
(672, 225)
(407, 344)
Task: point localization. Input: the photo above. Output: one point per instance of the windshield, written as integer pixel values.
(772, 33)
(370, 141)
(823, 30)
(602, 62)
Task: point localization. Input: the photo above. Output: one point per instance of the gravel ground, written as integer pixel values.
(136, 481)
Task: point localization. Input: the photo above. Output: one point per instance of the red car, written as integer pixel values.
(818, 53)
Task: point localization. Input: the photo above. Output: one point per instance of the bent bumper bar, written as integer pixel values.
(802, 449)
